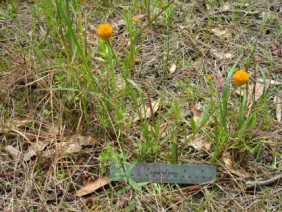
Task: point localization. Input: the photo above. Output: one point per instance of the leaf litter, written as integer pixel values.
(200, 142)
(278, 103)
(172, 69)
(222, 32)
(69, 145)
(260, 88)
(230, 166)
(148, 112)
(92, 187)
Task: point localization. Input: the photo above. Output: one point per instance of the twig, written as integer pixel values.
(252, 184)
(5, 175)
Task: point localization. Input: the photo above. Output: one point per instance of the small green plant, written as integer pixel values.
(62, 175)
(12, 9)
(126, 176)
(105, 158)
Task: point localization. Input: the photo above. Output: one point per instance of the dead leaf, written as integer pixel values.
(259, 89)
(271, 82)
(54, 130)
(197, 114)
(225, 7)
(266, 134)
(13, 124)
(33, 149)
(162, 130)
(172, 69)
(228, 56)
(15, 153)
(276, 52)
(228, 162)
(221, 31)
(226, 157)
(91, 187)
(68, 148)
(81, 139)
(193, 188)
(181, 27)
(272, 145)
(146, 113)
(70, 145)
(20, 122)
(90, 202)
(219, 55)
(121, 23)
(175, 199)
(200, 142)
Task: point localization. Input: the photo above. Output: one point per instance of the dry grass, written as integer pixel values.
(48, 180)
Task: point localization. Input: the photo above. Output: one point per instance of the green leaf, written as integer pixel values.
(193, 125)
(124, 189)
(134, 185)
(131, 206)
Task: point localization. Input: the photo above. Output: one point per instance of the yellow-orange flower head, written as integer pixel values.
(209, 78)
(241, 77)
(105, 31)
(136, 20)
(82, 1)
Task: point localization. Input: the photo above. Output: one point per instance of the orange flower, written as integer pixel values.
(82, 1)
(241, 77)
(105, 31)
(136, 20)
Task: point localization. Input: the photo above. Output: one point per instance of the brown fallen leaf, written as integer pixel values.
(221, 31)
(277, 52)
(15, 153)
(228, 162)
(193, 188)
(120, 23)
(146, 112)
(271, 82)
(200, 142)
(265, 134)
(259, 89)
(225, 7)
(33, 149)
(172, 69)
(162, 130)
(220, 55)
(273, 146)
(54, 130)
(81, 139)
(175, 199)
(276, 49)
(90, 202)
(14, 123)
(68, 148)
(91, 187)
(197, 114)
(69, 145)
